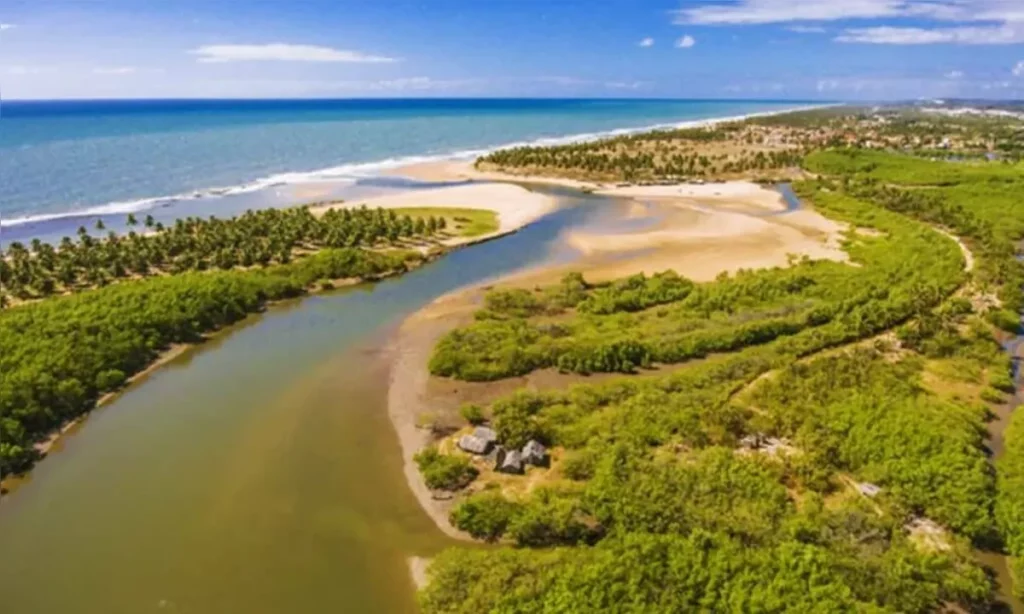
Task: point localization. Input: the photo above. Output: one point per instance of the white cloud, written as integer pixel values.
(6, 26)
(1018, 70)
(807, 29)
(625, 85)
(997, 85)
(782, 11)
(897, 88)
(282, 52)
(647, 42)
(576, 82)
(29, 70)
(403, 84)
(755, 88)
(955, 74)
(113, 70)
(686, 42)
(999, 22)
(568, 81)
(980, 35)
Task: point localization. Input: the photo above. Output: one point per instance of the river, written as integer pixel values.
(259, 472)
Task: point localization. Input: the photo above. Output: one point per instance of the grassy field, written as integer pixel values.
(467, 223)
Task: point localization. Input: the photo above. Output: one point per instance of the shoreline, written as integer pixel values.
(379, 168)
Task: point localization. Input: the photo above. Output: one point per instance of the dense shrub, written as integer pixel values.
(444, 471)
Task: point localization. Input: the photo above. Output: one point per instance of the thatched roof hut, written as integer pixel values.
(509, 462)
(534, 453)
(474, 444)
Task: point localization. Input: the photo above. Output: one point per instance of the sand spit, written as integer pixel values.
(739, 195)
(456, 170)
(515, 205)
(743, 196)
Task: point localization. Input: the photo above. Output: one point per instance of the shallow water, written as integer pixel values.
(258, 473)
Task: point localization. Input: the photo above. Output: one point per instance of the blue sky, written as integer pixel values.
(788, 49)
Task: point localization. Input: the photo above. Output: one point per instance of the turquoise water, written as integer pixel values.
(64, 164)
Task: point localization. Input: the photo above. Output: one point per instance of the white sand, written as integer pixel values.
(516, 206)
(455, 170)
(724, 193)
(701, 242)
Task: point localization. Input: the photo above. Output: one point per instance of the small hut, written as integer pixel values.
(509, 462)
(486, 434)
(474, 444)
(534, 453)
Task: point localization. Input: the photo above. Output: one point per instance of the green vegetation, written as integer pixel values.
(823, 561)
(473, 414)
(637, 322)
(444, 471)
(724, 149)
(767, 147)
(821, 445)
(1010, 505)
(254, 239)
(466, 222)
(61, 354)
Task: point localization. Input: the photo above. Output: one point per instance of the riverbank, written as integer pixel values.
(177, 347)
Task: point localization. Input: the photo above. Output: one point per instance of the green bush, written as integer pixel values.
(551, 518)
(444, 471)
(109, 379)
(484, 515)
(473, 414)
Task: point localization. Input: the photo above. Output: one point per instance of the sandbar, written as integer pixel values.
(516, 206)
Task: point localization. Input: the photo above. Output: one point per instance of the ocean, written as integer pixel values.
(64, 164)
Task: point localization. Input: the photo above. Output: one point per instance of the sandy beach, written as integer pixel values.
(462, 170)
(516, 206)
(744, 196)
